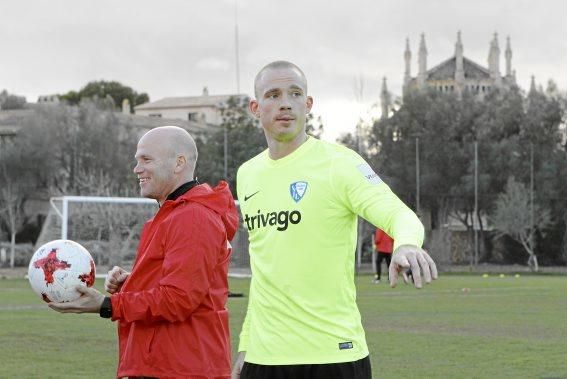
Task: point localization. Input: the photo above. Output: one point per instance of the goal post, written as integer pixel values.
(65, 200)
(109, 227)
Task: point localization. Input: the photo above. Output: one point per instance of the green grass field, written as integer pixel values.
(501, 328)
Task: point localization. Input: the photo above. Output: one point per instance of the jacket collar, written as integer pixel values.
(182, 189)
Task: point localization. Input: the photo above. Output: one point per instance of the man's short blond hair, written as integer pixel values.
(277, 65)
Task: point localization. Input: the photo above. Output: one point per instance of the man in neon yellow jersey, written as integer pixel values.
(300, 200)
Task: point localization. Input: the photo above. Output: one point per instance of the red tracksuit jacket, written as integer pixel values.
(383, 242)
(171, 310)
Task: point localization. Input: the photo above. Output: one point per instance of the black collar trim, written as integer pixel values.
(182, 189)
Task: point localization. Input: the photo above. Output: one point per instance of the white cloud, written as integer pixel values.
(213, 64)
(175, 48)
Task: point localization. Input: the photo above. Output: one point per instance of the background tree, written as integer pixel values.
(14, 193)
(10, 101)
(504, 124)
(348, 140)
(68, 150)
(314, 126)
(102, 89)
(512, 217)
(71, 97)
(64, 144)
(245, 140)
(543, 134)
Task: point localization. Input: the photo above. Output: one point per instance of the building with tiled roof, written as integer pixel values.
(12, 121)
(204, 109)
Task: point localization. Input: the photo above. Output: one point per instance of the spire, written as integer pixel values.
(494, 55)
(532, 86)
(407, 59)
(490, 54)
(494, 60)
(422, 58)
(459, 45)
(459, 61)
(385, 99)
(508, 54)
(407, 73)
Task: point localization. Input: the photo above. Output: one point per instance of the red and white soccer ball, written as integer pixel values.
(57, 267)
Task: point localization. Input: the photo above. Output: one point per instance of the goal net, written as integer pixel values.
(109, 227)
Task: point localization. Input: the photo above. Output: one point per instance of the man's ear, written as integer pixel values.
(180, 163)
(309, 103)
(253, 107)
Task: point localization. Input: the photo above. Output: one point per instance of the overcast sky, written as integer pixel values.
(175, 47)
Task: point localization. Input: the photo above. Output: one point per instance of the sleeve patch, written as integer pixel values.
(369, 173)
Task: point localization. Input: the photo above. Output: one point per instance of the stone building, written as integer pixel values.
(204, 109)
(457, 74)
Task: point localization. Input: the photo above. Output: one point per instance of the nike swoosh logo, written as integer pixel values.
(248, 197)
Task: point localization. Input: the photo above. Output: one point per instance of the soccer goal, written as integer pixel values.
(109, 227)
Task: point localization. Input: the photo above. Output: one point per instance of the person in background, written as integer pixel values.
(383, 246)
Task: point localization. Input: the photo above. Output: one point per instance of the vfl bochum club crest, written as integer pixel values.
(297, 190)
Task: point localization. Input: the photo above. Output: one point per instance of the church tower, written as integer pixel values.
(407, 73)
(508, 53)
(385, 101)
(422, 61)
(494, 61)
(459, 65)
(459, 74)
(532, 86)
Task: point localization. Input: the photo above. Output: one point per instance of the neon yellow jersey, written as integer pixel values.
(301, 214)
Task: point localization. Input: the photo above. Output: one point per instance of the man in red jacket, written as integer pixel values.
(383, 245)
(172, 319)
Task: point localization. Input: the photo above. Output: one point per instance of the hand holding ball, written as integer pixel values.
(58, 267)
